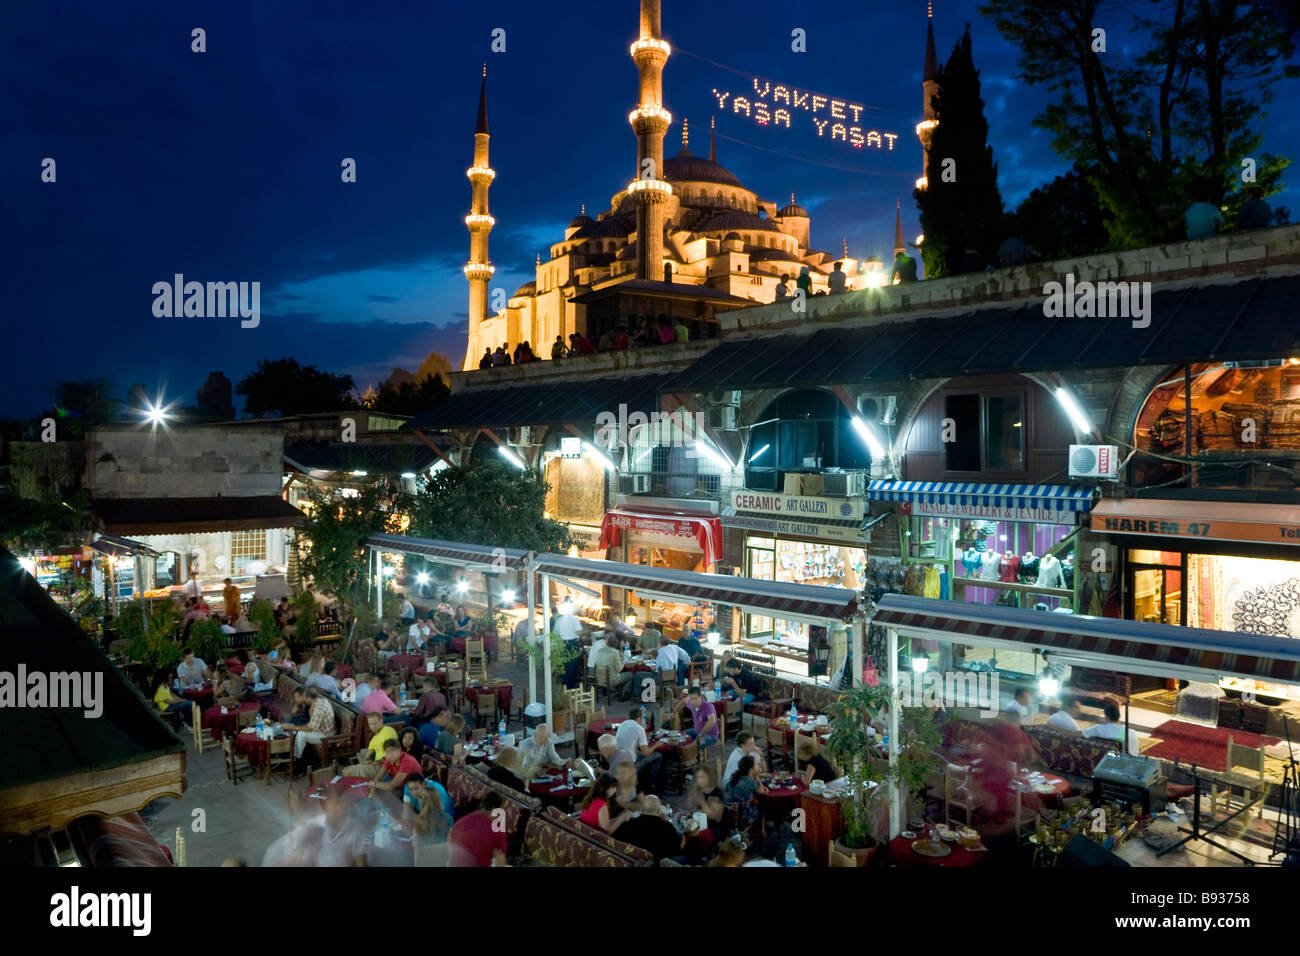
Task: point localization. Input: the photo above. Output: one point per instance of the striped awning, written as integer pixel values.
(116, 547)
(450, 552)
(801, 601)
(1101, 642)
(961, 499)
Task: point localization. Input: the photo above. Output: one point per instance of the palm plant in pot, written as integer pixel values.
(851, 748)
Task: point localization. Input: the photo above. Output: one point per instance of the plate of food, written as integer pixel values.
(946, 834)
(930, 848)
(1044, 788)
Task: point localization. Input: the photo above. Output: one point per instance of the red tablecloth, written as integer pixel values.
(556, 789)
(1060, 786)
(202, 694)
(605, 725)
(440, 675)
(901, 852)
(221, 724)
(823, 733)
(406, 661)
(504, 691)
(254, 747)
(776, 794)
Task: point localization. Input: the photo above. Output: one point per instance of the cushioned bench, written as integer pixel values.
(552, 839)
(468, 785)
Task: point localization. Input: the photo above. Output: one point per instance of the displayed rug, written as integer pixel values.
(1204, 746)
(1198, 703)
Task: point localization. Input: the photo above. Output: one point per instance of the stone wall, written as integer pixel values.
(202, 461)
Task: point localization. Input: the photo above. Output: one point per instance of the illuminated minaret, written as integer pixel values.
(930, 86)
(479, 269)
(899, 244)
(650, 122)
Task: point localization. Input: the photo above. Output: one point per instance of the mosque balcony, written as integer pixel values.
(651, 48)
(925, 127)
(646, 119)
(922, 183)
(475, 220)
(479, 270)
(481, 172)
(649, 190)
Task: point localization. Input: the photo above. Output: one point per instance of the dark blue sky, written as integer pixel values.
(225, 165)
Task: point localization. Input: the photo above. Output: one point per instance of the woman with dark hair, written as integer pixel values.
(596, 804)
(411, 743)
(742, 792)
(423, 811)
(462, 621)
(165, 699)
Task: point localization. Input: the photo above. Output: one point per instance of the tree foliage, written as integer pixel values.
(408, 397)
(29, 524)
(334, 556)
(283, 387)
(965, 211)
(1063, 219)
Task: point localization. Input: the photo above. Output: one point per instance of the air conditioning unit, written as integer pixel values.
(882, 409)
(633, 484)
(844, 484)
(731, 397)
(721, 416)
(1094, 461)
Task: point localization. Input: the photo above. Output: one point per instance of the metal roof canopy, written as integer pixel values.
(474, 557)
(1160, 650)
(802, 602)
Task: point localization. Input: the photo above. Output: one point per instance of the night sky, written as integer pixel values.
(225, 165)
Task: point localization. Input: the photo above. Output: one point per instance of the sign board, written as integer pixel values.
(805, 507)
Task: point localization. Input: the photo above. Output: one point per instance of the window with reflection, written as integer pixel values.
(805, 430)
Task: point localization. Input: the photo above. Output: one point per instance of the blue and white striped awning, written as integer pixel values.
(977, 499)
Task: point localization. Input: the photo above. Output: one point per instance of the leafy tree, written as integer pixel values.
(283, 387)
(435, 363)
(331, 551)
(207, 640)
(966, 211)
(261, 613)
(489, 504)
(409, 398)
(28, 524)
(1063, 219)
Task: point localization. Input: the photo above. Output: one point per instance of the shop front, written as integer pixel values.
(798, 539)
(1227, 566)
(670, 540)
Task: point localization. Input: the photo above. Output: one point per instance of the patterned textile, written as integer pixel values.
(554, 839)
(1066, 754)
(468, 785)
(120, 841)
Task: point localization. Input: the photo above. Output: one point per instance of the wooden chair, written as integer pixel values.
(245, 719)
(957, 794)
(778, 750)
(279, 757)
(233, 761)
(322, 775)
(732, 714)
(427, 853)
(794, 749)
(227, 702)
(1251, 782)
(196, 725)
(485, 707)
(582, 698)
(667, 681)
(606, 680)
(478, 733)
(475, 659)
(837, 858)
(688, 759)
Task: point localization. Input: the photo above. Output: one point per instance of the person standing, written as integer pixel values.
(486, 360)
(230, 594)
(681, 331)
(557, 349)
(837, 280)
(407, 612)
(783, 288)
(904, 268)
(666, 334)
(804, 281)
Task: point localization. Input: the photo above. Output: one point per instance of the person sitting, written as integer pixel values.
(411, 743)
(1112, 729)
(730, 853)
(430, 699)
(1202, 218)
(816, 767)
(704, 716)
(372, 755)
(226, 627)
(1020, 703)
(260, 673)
(739, 682)
(320, 722)
(476, 839)
(423, 809)
(282, 656)
(227, 684)
(300, 712)
(451, 741)
(325, 680)
(705, 797)
(611, 754)
(396, 767)
(360, 689)
(192, 671)
(416, 639)
(538, 752)
(166, 701)
(507, 769)
(742, 792)
(462, 621)
(649, 761)
(650, 638)
(694, 650)
(378, 700)
(627, 794)
(1254, 213)
(433, 727)
(783, 288)
(746, 746)
(598, 809)
(609, 663)
(192, 613)
(1066, 719)
(650, 831)
(387, 646)
(314, 664)
(673, 658)
(367, 656)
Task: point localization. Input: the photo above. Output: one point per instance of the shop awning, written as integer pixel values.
(116, 547)
(706, 531)
(796, 601)
(1199, 520)
(850, 532)
(477, 556)
(1006, 502)
(60, 763)
(123, 516)
(1102, 642)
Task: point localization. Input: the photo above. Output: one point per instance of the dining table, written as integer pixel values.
(222, 724)
(806, 725)
(201, 694)
(406, 662)
(255, 748)
(553, 788)
(902, 854)
(366, 808)
(503, 688)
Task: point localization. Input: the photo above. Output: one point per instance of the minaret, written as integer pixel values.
(899, 244)
(479, 269)
(713, 146)
(650, 122)
(930, 87)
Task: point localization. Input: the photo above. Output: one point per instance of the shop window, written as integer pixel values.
(167, 570)
(1222, 417)
(806, 430)
(245, 548)
(983, 432)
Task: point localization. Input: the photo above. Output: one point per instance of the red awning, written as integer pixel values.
(706, 531)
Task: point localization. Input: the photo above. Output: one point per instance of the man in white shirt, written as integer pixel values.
(568, 626)
(597, 642)
(226, 626)
(538, 751)
(672, 657)
(362, 690)
(1020, 704)
(649, 761)
(1066, 719)
(1113, 730)
(746, 746)
(837, 279)
(191, 669)
(407, 611)
(414, 639)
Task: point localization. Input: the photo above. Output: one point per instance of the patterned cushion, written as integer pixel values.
(468, 785)
(1065, 753)
(120, 841)
(556, 840)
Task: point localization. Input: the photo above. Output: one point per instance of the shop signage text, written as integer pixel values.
(999, 512)
(800, 529)
(771, 503)
(1217, 530)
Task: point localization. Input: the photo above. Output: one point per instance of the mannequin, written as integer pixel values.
(1010, 567)
(1049, 573)
(1028, 567)
(971, 562)
(990, 563)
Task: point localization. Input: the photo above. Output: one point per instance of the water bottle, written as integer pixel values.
(501, 732)
(402, 691)
(627, 652)
(794, 716)
(791, 858)
(260, 729)
(381, 831)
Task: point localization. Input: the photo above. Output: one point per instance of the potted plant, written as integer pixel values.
(562, 654)
(852, 750)
(918, 736)
(153, 645)
(268, 633)
(207, 640)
